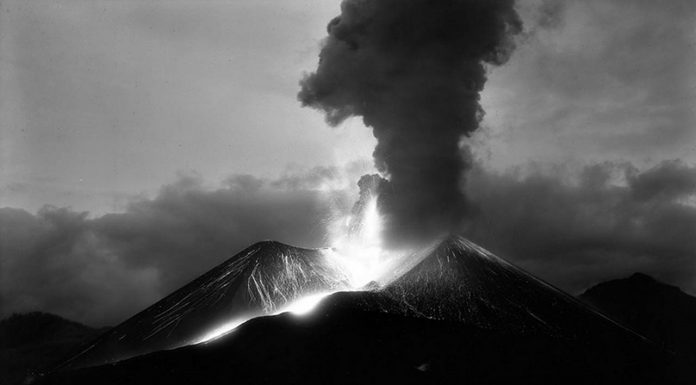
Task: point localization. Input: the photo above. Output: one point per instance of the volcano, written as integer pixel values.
(461, 281)
(259, 280)
(458, 312)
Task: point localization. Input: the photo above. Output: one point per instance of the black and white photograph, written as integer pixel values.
(347, 192)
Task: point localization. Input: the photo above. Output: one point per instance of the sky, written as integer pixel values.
(143, 142)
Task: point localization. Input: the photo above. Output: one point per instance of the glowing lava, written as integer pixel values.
(305, 304)
(299, 307)
(357, 247)
(221, 330)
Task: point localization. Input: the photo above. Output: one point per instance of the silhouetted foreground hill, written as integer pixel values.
(459, 315)
(659, 311)
(34, 342)
(341, 343)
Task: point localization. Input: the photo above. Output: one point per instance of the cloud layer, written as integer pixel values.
(610, 220)
(607, 221)
(103, 269)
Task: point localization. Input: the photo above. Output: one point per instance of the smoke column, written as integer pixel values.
(413, 69)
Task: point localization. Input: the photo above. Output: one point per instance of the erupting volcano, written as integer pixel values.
(454, 304)
(264, 279)
(273, 312)
(400, 295)
(452, 280)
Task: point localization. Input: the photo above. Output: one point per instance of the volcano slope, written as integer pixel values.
(460, 315)
(257, 281)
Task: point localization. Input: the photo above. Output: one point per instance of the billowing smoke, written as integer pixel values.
(413, 70)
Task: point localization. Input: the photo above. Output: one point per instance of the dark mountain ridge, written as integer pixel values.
(662, 312)
(31, 343)
(32, 328)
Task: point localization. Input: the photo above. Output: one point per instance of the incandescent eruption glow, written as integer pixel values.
(221, 330)
(357, 246)
(357, 259)
(301, 306)
(305, 304)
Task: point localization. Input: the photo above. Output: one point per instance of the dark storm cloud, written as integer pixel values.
(103, 269)
(53, 261)
(669, 180)
(609, 222)
(414, 71)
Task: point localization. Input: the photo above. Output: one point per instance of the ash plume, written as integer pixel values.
(413, 70)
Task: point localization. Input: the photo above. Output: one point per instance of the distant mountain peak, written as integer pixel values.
(35, 342)
(660, 311)
(638, 276)
(633, 285)
(37, 327)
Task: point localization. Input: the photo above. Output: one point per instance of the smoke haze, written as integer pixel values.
(413, 71)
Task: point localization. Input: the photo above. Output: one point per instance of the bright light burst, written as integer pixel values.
(357, 247)
(356, 251)
(305, 304)
(221, 330)
(299, 307)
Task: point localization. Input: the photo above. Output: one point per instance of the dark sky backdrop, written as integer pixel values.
(167, 136)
